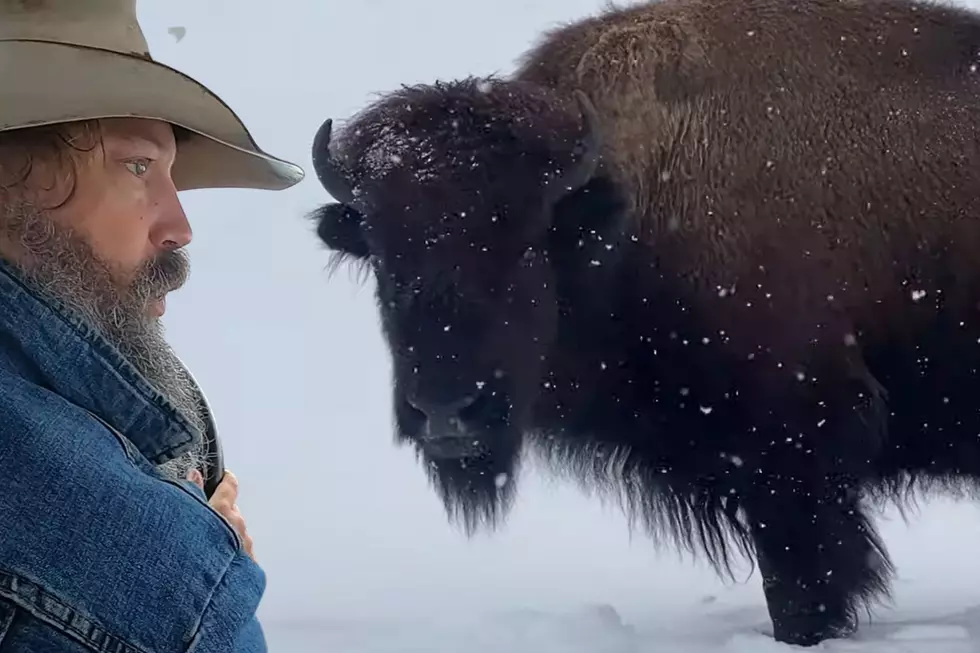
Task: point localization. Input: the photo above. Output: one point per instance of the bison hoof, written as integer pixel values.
(810, 631)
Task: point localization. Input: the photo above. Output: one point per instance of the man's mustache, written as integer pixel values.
(162, 275)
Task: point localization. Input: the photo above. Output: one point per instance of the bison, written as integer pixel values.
(719, 257)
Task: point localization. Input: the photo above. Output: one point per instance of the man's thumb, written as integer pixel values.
(195, 477)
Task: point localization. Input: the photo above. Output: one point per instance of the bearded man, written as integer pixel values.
(109, 542)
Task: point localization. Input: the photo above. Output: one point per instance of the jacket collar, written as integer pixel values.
(46, 343)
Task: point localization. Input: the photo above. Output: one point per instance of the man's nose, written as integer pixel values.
(172, 229)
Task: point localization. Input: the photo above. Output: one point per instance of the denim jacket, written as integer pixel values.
(99, 551)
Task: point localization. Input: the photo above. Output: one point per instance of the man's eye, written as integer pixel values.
(138, 167)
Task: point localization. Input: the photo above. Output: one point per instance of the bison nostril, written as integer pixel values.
(462, 422)
(440, 419)
(463, 403)
(475, 409)
(415, 405)
(440, 408)
(412, 409)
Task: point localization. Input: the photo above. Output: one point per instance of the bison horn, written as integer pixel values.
(583, 169)
(331, 176)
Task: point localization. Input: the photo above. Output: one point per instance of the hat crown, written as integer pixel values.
(104, 24)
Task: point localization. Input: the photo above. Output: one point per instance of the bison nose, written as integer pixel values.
(443, 417)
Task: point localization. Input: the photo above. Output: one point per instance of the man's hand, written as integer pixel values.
(223, 501)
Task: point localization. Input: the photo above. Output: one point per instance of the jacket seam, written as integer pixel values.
(122, 439)
(239, 545)
(42, 603)
(196, 633)
(7, 617)
(128, 448)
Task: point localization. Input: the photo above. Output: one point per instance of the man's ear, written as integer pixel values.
(339, 227)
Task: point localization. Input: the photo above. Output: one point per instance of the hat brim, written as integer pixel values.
(43, 83)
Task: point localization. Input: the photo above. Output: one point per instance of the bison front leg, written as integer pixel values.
(819, 556)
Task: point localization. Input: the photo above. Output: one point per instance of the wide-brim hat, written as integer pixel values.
(68, 60)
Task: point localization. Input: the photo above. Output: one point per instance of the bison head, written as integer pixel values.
(448, 193)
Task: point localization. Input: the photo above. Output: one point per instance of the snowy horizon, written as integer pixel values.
(357, 548)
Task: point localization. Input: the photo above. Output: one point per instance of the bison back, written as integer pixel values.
(833, 141)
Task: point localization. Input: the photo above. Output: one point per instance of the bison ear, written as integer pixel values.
(589, 224)
(340, 228)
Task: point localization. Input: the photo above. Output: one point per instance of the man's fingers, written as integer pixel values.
(226, 494)
(237, 520)
(230, 479)
(224, 502)
(249, 547)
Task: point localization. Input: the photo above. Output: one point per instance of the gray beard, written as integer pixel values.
(63, 266)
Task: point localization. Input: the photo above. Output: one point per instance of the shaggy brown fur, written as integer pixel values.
(758, 312)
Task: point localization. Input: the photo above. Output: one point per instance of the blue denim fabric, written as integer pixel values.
(98, 551)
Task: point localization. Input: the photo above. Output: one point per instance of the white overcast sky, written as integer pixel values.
(297, 373)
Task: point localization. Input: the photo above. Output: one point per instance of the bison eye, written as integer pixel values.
(340, 228)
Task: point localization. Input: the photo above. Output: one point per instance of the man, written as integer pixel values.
(105, 545)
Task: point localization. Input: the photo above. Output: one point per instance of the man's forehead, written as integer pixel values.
(145, 130)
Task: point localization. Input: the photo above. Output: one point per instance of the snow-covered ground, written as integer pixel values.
(675, 609)
(599, 628)
(359, 556)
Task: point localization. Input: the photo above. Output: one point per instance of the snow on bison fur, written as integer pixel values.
(720, 257)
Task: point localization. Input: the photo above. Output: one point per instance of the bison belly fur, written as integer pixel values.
(716, 258)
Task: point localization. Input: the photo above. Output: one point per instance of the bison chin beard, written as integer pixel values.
(476, 482)
(476, 490)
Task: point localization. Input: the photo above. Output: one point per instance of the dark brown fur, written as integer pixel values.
(726, 325)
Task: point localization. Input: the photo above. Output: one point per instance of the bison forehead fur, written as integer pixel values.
(497, 144)
(756, 315)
